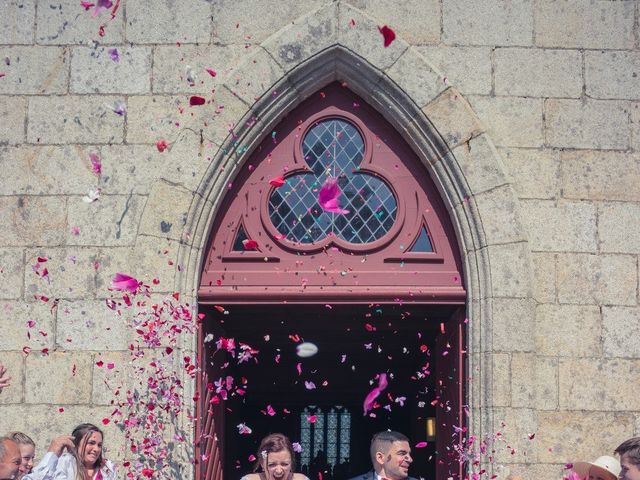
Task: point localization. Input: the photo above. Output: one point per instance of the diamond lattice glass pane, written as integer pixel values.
(318, 434)
(345, 435)
(305, 439)
(333, 148)
(332, 437)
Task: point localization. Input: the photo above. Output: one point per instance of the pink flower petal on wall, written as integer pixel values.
(96, 164)
(249, 244)
(161, 145)
(196, 100)
(374, 393)
(388, 35)
(277, 182)
(211, 72)
(87, 5)
(329, 197)
(124, 282)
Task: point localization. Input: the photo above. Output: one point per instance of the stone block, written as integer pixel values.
(114, 374)
(71, 273)
(569, 436)
(18, 22)
(612, 74)
(579, 24)
(47, 170)
(417, 22)
(635, 126)
(568, 330)
(359, 33)
(59, 377)
(63, 22)
(94, 71)
(534, 381)
(27, 324)
(34, 70)
(621, 326)
(253, 21)
(512, 325)
(112, 220)
(510, 271)
(530, 72)
(454, 119)
(90, 325)
(165, 213)
(77, 119)
(501, 379)
(600, 279)
(511, 121)
(165, 21)
(14, 363)
(611, 217)
(228, 118)
(170, 66)
(256, 73)
(304, 37)
(30, 220)
(468, 69)
(599, 384)
(11, 272)
(599, 124)
(134, 168)
(514, 425)
(487, 22)
(535, 172)
(544, 273)
(156, 258)
(598, 175)
(560, 226)
(411, 74)
(500, 218)
(13, 111)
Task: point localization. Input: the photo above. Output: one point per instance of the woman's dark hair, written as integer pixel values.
(81, 436)
(275, 442)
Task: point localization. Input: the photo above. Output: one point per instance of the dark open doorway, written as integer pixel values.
(318, 401)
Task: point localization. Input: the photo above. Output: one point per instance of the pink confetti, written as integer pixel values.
(96, 164)
(87, 5)
(277, 182)
(421, 444)
(329, 195)
(388, 35)
(249, 244)
(123, 282)
(211, 72)
(114, 55)
(161, 145)
(196, 100)
(296, 447)
(374, 393)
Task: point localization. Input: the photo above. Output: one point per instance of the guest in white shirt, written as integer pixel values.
(82, 460)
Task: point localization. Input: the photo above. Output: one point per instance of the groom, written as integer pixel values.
(391, 457)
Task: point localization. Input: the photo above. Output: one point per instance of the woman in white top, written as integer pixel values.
(83, 459)
(275, 459)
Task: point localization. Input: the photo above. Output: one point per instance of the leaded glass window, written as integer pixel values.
(327, 440)
(333, 148)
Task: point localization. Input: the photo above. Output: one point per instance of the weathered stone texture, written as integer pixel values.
(501, 379)
(514, 425)
(74, 119)
(59, 377)
(14, 393)
(171, 67)
(538, 73)
(612, 74)
(468, 69)
(421, 84)
(11, 271)
(511, 121)
(599, 384)
(580, 24)
(33, 70)
(90, 325)
(596, 124)
(29, 220)
(64, 22)
(544, 272)
(501, 223)
(612, 218)
(165, 213)
(454, 119)
(477, 161)
(94, 71)
(41, 170)
(17, 23)
(534, 381)
(13, 111)
(510, 268)
(512, 326)
(568, 436)
(535, 172)
(116, 372)
(600, 279)
(621, 330)
(562, 226)
(22, 319)
(488, 22)
(568, 330)
(110, 220)
(71, 273)
(165, 21)
(635, 126)
(597, 175)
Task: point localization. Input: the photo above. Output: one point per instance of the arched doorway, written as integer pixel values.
(334, 233)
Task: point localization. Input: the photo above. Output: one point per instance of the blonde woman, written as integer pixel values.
(27, 451)
(82, 460)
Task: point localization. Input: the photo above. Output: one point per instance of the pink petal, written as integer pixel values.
(196, 100)
(161, 145)
(373, 394)
(124, 282)
(328, 196)
(277, 182)
(211, 72)
(388, 35)
(421, 444)
(249, 244)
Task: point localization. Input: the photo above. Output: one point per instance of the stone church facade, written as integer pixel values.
(524, 114)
